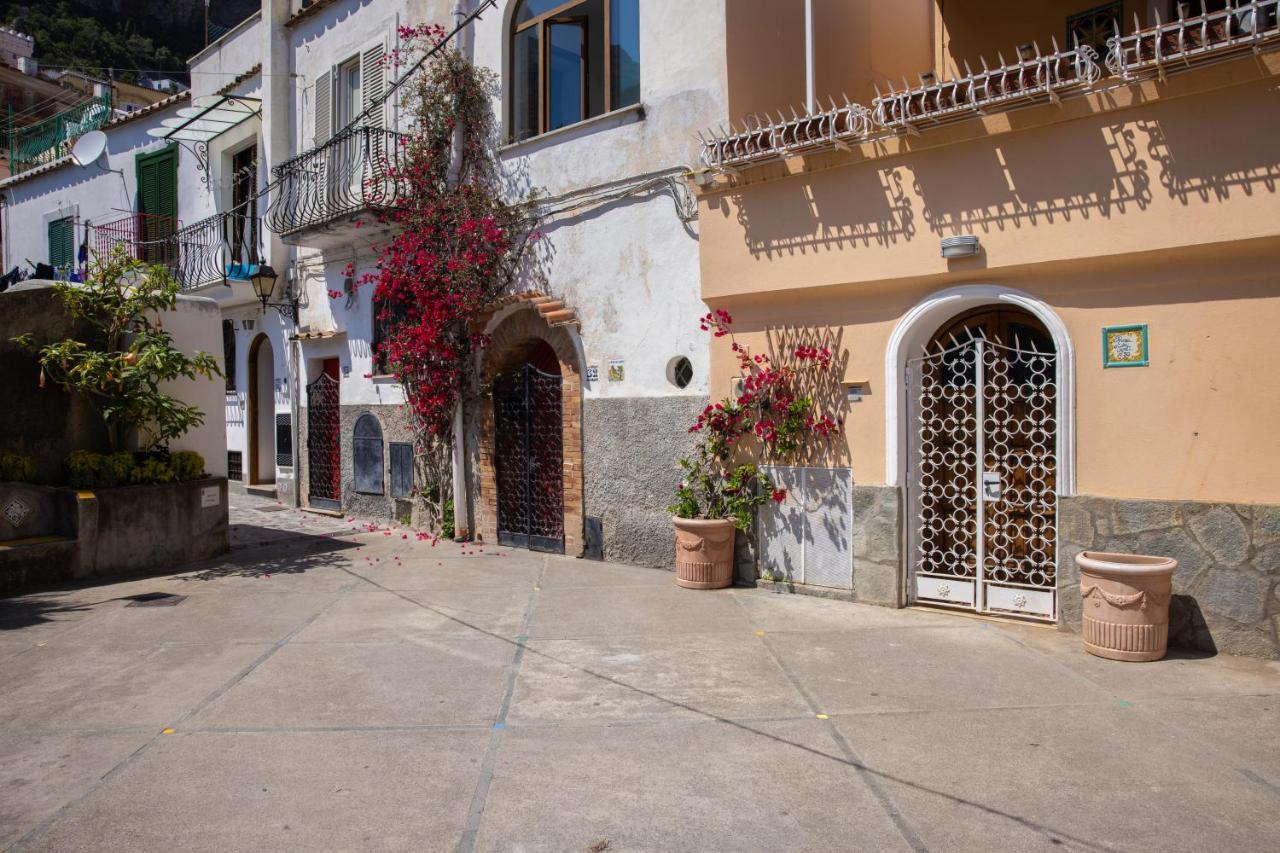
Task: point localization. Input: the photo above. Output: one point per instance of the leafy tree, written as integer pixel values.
(130, 353)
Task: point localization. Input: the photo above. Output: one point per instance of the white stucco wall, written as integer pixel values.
(196, 325)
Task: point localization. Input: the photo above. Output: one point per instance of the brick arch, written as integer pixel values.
(508, 342)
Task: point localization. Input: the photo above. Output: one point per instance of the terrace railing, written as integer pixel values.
(1243, 26)
(353, 171)
(219, 248)
(1033, 78)
(47, 140)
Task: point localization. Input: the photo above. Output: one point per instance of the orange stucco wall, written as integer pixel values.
(857, 44)
(1154, 204)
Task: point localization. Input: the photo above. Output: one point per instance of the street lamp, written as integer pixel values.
(264, 284)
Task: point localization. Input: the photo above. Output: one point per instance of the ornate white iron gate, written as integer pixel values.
(983, 483)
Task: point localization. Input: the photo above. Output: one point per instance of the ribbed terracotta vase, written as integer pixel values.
(704, 553)
(1126, 604)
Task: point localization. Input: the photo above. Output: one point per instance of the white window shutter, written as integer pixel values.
(371, 85)
(323, 127)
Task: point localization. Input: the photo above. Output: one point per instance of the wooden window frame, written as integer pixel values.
(541, 22)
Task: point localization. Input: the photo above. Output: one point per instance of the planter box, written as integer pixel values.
(113, 532)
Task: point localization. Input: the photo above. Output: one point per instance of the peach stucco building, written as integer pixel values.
(1095, 367)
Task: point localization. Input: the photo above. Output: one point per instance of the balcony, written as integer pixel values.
(1241, 28)
(324, 190)
(47, 140)
(215, 250)
(218, 249)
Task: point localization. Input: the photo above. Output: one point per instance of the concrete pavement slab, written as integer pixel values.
(967, 664)
(781, 611)
(597, 611)
(38, 773)
(653, 677)
(428, 680)
(81, 687)
(282, 792)
(566, 572)
(680, 786)
(1077, 778)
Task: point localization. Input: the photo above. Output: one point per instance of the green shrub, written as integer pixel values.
(82, 468)
(153, 471)
(17, 467)
(446, 520)
(116, 469)
(187, 465)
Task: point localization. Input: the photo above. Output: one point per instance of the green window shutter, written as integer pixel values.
(158, 182)
(62, 243)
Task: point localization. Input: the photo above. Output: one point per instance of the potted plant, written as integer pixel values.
(770, 418)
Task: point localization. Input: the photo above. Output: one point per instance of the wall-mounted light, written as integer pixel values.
(964, 246)
(264, 284)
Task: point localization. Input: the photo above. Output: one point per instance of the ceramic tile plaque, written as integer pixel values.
(16, 511)
(1124, 346)
(617, 370)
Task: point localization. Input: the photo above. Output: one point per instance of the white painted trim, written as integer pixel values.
(918, 326)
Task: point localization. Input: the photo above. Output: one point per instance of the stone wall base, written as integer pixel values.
(1227, 586)
(630, 448)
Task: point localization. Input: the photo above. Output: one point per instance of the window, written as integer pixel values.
(62, 242)
(157, 202)
(378, 339)
(571, 61)
(229, 353)
(680, 372)
(244, 213)
(1094, 26)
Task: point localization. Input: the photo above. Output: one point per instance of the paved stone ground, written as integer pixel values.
(362, 691)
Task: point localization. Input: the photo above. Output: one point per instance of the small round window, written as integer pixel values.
(680, 372)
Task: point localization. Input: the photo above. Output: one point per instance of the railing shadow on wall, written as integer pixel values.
(863, 207)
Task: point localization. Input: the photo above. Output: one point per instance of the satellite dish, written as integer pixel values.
(89, 148)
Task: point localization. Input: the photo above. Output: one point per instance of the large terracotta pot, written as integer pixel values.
(1126, 604)
(704, 553)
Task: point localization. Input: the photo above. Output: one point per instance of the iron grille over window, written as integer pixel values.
(284, 440)
(1094, 26)
(571, 61)
(235, 465)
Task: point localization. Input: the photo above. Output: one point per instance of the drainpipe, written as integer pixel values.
(461, 503)
(810, 100)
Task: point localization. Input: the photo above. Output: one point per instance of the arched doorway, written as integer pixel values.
(529, 450)
(982, 475)
(261, 421)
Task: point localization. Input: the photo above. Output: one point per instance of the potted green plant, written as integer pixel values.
(722, 487)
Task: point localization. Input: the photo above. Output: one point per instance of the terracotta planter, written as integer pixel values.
(1126, 604)
(704, 553)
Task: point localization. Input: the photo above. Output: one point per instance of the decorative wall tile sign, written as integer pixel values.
(16, 512)
(210, 496)
(1125, 346)
(593, 373)
(617, 370)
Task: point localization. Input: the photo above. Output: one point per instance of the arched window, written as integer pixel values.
(571, 61)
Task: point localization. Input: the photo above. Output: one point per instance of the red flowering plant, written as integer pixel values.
(770, 418)
(456, 247)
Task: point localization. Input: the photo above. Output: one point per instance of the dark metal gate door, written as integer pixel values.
(323, 456)
(530, 472)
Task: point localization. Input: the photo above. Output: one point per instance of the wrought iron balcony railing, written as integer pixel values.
(353, 171)
(1208, 37)
(47, 140)
(144, 236)
(220, 248)
(216, 249)
(1241, 27)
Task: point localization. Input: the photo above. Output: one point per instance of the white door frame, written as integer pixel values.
(917, 328)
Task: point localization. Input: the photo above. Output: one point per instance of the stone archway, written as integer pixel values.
(510, 342)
